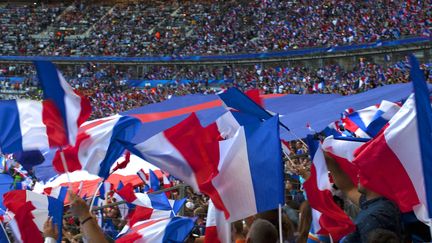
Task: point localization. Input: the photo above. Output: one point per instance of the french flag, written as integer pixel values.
(141, 213)
(156, 201)
(332, 220)
(237, 100)
(31, 210)
(97, 146)
(74, 109)
(166, 184)
(398, 162)
(342, 149)
(163, 230)
(369, 121)
(30, 125)
(57, 192)
(218, 230)
(220, 168)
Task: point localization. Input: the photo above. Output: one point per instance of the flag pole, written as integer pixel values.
(94, 195)
(65, 167)
(280, 224)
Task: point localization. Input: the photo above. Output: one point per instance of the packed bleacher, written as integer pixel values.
(108, 88)
(143, 28)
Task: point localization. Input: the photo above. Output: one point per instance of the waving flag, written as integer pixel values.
(57, 193)
(342, 151)
(218, 230)
(157, 201)
(397, 163)
(237, 100)
(97, 146)
(73, 108)
(31, 211)
(175, 229)
(30, 125)
(219, 168)
(368, 122)
(331, 219)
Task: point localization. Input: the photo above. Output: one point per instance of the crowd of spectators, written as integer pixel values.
(178, 28)
(108, 88)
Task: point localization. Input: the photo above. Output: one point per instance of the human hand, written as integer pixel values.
(79, 207)
(50, 229)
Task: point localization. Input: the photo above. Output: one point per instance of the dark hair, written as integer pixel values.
(382, 236)
(262, 231)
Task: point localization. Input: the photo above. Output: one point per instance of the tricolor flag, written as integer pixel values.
(31, 210)
(97, 146)
(218, 230)
(30, 125)
(220, 168)
(237, 100)
(57, 192)
(331, 219)
(369, 121)
(397, 163)
(74, 109)
(175, 229)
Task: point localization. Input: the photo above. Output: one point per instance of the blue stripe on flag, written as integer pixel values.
(313, 145)
(178, 229)
(355, 117)
(424, 120)
(55, 210)
(235, 99)
(52, 89)
(125, 129)
(10, 135)
(265, 162)
(159, 201)
(154, 181)
(178, 204)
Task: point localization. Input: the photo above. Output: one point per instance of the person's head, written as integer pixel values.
(262, 231)
(382, 236)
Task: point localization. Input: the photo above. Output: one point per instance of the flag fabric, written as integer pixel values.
(166, 184)
(74, 109)
(396, 164)
(313, 237)
(369, 121)
(175, 229)
(57, 192)
(218, 230)
(156, 201)
(154, 182)
(331, 219)
(31, 210)
(235, 99)
(105, 189)
(97, 147)
(342, 151)
(220, 168)
(30, 125)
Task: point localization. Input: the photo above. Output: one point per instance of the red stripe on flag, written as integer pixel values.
(211, 235)
(201, 152)
(28, 229)
(381, 171)
(51, 117)
(71, 155)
